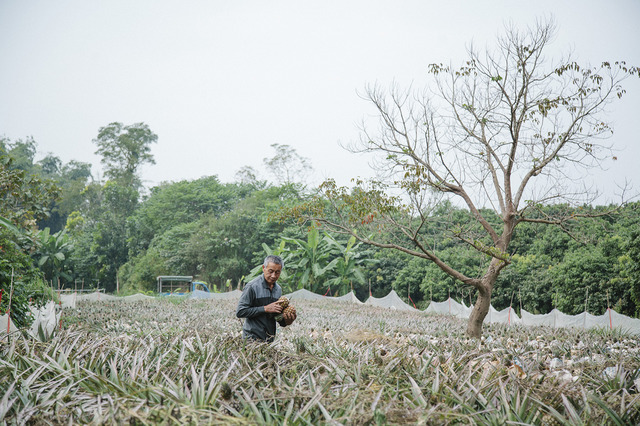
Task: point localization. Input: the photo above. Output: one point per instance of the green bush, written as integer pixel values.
(139, 274)
(28, 283)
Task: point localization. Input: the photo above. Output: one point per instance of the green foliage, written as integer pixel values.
(22, 152)
(124, 149)
(205, 229)
(100, 233)
(381, 276)
(307, 261)
(346, 271)
(28, 283)
(139, 273)
(321, 263)
(232, 244)
(217, 232)
(25, 198)
(172, 204)
(629, 267)
(586, 273)
(527, 282)
(65, 181)
(414, 280)
(52, 251)
(73, 178)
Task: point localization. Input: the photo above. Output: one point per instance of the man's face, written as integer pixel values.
(271, 273)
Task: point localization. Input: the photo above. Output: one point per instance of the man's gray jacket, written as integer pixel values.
(258, 324)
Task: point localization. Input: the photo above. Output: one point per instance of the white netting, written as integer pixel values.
(137, 297)
(615, 320)
(199, 294)
(391, 301)
(505, 316)
(449, 307)
(349, 297)
(304, 294)
(4, 322)
(229, 295)
(68, 300)
(543, 319)
(96, 297)
(595, 321)
(46, 318)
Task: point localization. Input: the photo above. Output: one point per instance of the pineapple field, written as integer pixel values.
(183, 362)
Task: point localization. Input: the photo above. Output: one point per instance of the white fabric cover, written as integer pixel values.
(304, 294)
(505, 316)
(449, 307)
(96, 296)
(620, 321)
(391, 301)
(349, 297)
(198, 294)
(137, 297)
(228, 295)
(4, 321)
(44, 317)
(68, 300)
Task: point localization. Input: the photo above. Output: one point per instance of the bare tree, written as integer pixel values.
(503, 134)
(287, 166)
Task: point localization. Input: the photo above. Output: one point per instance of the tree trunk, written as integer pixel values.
(480, 309)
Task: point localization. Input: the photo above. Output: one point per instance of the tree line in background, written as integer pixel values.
(62, 226)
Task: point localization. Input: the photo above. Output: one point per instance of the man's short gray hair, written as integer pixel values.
(272, 258)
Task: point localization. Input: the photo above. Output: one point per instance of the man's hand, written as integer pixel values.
(290, 317)
(273, 308)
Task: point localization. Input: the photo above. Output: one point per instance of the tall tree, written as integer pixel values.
(24, 198)
(506, 130)
(22, 152)
(109, 232)
(287, 166)
(124, 149)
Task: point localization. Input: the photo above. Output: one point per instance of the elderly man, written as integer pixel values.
(258, 303)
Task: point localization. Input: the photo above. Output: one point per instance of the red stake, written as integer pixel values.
(414, 304)
(9, 308)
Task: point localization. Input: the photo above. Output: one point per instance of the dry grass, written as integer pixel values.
(162, 362)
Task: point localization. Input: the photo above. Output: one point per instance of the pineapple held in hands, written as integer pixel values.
(283, 301)
(286, 308)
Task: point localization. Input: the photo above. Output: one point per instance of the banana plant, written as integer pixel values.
(51, 253)
(308, 262)
(348, 267)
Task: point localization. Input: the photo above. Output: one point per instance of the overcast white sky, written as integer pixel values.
(220, 81)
